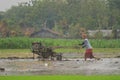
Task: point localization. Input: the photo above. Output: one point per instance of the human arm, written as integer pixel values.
(84, 43)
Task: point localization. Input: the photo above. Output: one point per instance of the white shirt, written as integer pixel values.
(87, 44)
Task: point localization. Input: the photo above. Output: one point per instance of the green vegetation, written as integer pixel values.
(25, 43)
(61, 77)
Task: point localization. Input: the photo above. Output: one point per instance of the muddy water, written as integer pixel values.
(105, 66)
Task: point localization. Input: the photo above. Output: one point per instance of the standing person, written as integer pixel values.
(86, 44)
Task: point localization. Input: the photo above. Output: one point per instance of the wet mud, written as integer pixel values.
(70, 64)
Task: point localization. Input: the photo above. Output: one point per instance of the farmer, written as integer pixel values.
(86, 44)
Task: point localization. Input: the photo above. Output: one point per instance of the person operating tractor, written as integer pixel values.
(89, 50)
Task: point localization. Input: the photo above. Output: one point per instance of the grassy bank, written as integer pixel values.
(15, 53)
(28, 53)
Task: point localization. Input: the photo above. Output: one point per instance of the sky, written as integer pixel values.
(7, 4)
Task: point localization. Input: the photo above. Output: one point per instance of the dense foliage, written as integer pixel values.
(64, 16)
(25, 43)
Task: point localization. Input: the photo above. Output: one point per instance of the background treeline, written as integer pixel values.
(67, 17)
(25, 43)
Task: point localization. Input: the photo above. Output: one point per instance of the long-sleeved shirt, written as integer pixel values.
(86, 44)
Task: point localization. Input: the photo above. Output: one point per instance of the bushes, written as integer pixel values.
(25, 43)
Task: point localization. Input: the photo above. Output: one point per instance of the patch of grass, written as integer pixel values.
(15, 53)
(60, 77)
(69, 50)
(107, 50)
(82, 50)
(27, 52)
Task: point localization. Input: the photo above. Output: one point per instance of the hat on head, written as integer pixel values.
(84, 35)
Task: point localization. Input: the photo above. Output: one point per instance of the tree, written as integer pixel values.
(4, 29)
(114, 6)
(60, 15)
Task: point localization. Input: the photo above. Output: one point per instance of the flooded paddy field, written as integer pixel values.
(69, 65)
